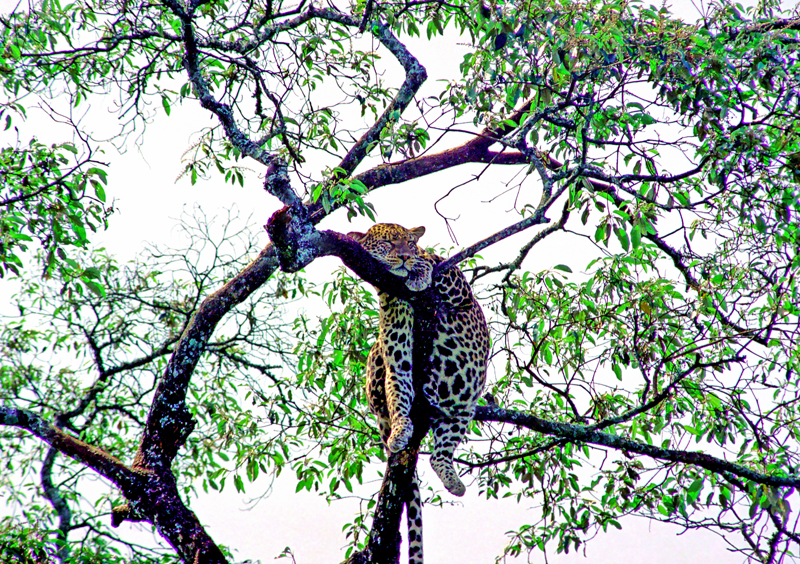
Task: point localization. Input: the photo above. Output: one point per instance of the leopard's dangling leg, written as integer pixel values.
(399, 397)
(376, 392)
(397, 325)
(447, 434)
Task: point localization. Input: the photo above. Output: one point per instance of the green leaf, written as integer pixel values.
(622, 236)
(600, 233)
(92, 272)
(100, 173)
(636, 237)
(79, 229)
(100, 192)
(94, 287)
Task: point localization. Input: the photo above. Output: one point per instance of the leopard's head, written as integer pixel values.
(396, 247)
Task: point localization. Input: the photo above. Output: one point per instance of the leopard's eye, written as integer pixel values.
(384, 246)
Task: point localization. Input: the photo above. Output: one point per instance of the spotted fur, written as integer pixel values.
(460, 351)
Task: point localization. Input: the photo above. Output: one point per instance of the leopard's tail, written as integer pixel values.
(414, 520)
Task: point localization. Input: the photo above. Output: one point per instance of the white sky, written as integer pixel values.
(470, 530)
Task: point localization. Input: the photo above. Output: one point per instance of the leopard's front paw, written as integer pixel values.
(401, 434)
(417, 284)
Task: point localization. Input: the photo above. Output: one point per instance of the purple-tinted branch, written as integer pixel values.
(60, 505)
(97, 459)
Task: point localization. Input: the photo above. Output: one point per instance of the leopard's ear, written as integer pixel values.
(358, 237)
(417, 232)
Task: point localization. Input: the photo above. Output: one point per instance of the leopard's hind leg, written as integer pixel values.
(448, 432)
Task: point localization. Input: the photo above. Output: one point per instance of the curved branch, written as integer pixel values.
(415, 76)
(526, 248)
(536, 219)
(207, 100)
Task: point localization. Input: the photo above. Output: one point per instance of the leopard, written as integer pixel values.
(459, 358)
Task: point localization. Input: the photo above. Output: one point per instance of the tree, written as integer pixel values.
(659, 379)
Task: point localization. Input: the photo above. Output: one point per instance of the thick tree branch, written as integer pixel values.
(152, 496)
(169, 422)
(384, 542)
(768, 27)
(584, 434)
(475, 150)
